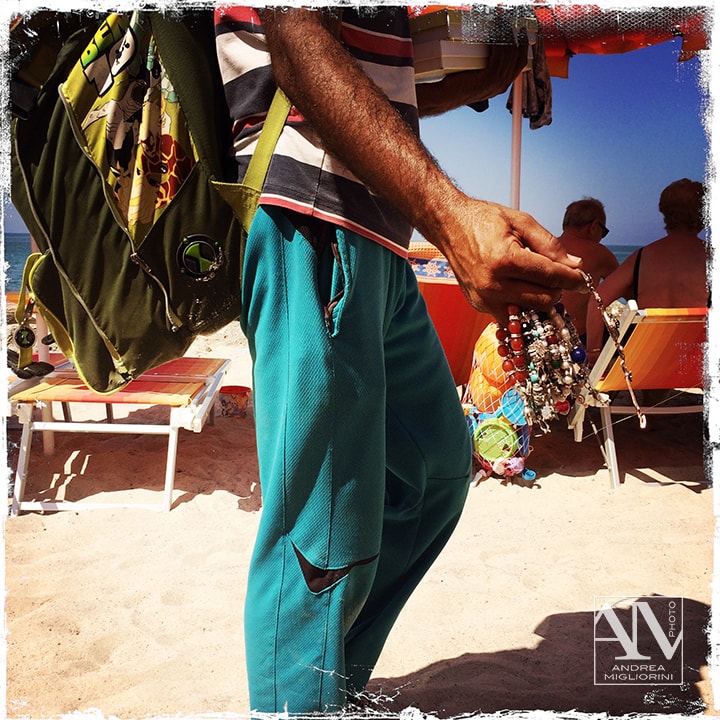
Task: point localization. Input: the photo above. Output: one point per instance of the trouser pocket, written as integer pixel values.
(331, 276)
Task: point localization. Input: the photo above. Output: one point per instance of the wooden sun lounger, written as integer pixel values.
(188, 387)
(664, 349)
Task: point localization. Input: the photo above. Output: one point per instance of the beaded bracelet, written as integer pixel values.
(543, 354)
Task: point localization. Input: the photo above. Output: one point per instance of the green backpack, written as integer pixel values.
(119, 169)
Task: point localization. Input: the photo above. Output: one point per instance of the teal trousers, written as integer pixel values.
(363, 450)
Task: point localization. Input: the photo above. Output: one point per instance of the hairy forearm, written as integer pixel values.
(337, 98)
(498, 255)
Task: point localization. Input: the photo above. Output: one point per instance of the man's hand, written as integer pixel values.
(502, 256)
(505, 62)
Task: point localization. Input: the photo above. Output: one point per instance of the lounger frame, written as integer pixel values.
(189, 388)
(664, 349)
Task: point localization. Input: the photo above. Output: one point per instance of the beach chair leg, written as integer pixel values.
(609, 443)
(25, 414)
(48, 436)
(170, 468)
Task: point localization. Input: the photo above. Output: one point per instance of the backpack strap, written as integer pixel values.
(187, 48)
(186, 44)
(24, 336)
(274, 123)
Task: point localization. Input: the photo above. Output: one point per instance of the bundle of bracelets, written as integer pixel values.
(546, 372)
(544, 356)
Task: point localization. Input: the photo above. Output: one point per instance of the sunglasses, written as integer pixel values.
(603, 229)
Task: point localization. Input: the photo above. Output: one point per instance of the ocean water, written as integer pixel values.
(17, 248)
(622, 252)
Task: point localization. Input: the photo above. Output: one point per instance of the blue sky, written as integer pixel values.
(624, 126)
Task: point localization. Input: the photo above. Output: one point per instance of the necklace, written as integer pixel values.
(544, 356)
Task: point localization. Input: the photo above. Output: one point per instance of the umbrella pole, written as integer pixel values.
(516, 143)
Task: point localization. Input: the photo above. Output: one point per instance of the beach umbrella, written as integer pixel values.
(576, 29)
(556, 32)
(567, 30)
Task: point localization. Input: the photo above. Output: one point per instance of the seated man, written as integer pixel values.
(583, 229)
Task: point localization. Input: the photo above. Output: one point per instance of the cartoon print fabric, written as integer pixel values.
(126, 114)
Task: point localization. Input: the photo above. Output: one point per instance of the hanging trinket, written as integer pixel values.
(24, 337)
(543, 354)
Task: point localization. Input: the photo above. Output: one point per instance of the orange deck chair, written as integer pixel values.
(664, 349)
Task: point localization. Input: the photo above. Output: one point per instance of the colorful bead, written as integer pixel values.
(544, 349)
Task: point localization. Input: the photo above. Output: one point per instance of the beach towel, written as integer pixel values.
(120, 167)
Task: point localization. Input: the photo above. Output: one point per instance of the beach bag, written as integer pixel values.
(119, 169)
(495, 413)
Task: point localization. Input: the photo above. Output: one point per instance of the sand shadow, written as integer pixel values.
(221, 457)
(557, 675)
(677, 447)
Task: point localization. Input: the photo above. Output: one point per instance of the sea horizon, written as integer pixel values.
(17, 249)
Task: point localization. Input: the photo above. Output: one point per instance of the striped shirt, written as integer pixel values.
(302, 176)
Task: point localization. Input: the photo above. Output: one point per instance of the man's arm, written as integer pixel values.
(608, 263)
(498, 255)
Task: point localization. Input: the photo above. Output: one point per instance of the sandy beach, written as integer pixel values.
(129, 613)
